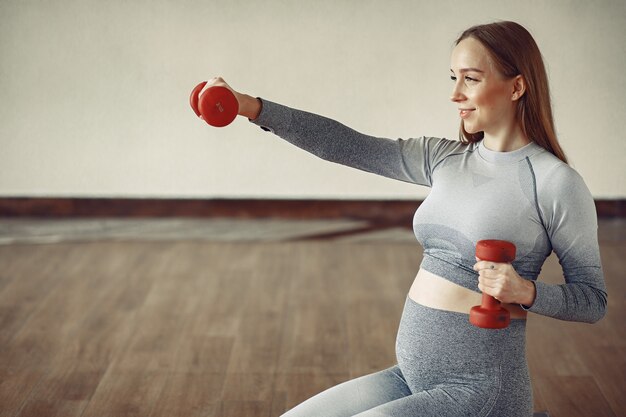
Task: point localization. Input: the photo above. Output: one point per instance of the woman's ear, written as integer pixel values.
(519, 87)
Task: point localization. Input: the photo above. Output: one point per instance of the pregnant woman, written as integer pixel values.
(508, 179)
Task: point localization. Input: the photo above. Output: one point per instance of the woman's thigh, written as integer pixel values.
(437, 402)
(354, 396)
(451, 401)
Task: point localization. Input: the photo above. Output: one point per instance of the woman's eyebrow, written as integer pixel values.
(462, 70)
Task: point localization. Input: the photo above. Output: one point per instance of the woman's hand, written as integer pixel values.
(501, 281)
(249, 107)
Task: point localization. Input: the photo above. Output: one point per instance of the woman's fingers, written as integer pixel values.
(216, 81)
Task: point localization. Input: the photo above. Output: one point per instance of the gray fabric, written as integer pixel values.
(527, 196)
(446, 367)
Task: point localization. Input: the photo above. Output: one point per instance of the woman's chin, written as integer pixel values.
(472, 130)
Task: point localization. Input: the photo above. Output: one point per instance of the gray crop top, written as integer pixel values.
(527, 196)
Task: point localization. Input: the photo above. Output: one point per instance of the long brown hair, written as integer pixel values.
(515, 52)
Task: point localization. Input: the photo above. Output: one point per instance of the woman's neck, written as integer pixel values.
(507, 140)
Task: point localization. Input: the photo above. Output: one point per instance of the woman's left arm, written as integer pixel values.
(571, 222)
(570, 218)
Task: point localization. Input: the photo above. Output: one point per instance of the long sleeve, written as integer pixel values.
(571, 222)
(409, 160)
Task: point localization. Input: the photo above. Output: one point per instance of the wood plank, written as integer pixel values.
(609, 373)
(47, 327)
(75, 368)
(261, 312)
(26, 281)
(190, 395)
(573, 396)
(62, 394)
(16, 386)
(243, 408)
(315, 336)
(126, 394)
(295, 387)
(145, 371)
(374, 306)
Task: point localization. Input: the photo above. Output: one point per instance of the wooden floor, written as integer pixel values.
(215, 328)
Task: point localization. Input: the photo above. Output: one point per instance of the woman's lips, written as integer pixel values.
(464, 113)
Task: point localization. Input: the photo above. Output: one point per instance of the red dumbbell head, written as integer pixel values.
(495, 250)
(217, 105)
(193, 98)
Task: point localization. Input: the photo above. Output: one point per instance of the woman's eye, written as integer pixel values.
(466, 78)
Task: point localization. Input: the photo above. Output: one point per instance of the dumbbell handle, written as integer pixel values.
(490, 303)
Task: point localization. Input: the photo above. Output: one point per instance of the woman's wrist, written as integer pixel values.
(529, 294)
(249, 106)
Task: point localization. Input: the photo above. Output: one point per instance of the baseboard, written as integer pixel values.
(374, 211)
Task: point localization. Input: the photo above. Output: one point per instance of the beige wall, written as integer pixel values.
(94, 94)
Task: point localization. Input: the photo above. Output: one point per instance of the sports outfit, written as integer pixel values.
(446, 366)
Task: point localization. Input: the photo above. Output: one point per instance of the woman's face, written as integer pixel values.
(485, 98)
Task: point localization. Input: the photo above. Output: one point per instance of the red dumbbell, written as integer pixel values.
(490, 314)
(217, 105)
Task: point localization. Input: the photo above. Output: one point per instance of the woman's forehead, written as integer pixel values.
(470, 54)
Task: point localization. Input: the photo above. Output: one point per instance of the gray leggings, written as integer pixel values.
(446, 367)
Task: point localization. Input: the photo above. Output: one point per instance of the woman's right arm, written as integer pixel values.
(405, 160)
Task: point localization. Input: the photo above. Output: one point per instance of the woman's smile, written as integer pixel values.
(465, 113)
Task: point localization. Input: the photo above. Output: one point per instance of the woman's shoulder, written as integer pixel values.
(437, 148)
(557, 182)
(551, 170)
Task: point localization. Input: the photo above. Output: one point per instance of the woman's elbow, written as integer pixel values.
(599, 309)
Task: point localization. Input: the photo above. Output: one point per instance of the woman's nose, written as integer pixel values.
(457, 94)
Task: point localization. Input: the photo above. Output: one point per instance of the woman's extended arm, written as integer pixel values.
(407, 160)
